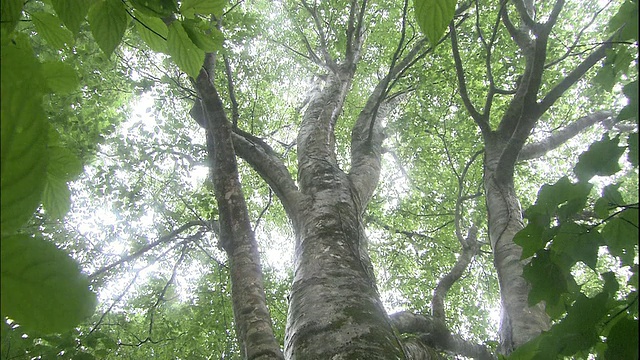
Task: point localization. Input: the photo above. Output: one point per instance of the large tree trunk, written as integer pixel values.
(335, 310)
(519, 323)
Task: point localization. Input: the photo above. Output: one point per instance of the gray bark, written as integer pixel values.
(252, 319)
(519, 323)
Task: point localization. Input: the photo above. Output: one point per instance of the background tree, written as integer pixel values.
(331, 139)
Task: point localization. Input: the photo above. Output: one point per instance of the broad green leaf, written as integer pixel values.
(632, 142)
(61, 78)
(542, 347)
(63, 163)
(611, 198)
(56, 198)
(72, 12)
(577, 243)
(624, 15)
(630, 111)
(622, 341)
(189, 8)
(577, 331)
(42, 287)
(155, 8)
(600, 159)
(531, 239)
(24, 135)
(108, 20)
(153, 31)
(621, 236)
(51, 29)
(207, 42)
(10, 13)
(547, 280)
(184, 52)
(434, 16)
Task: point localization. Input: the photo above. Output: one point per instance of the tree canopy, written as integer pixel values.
(294, 179)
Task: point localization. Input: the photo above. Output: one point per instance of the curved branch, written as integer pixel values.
(432, 332)
(266, 162)
(468, 252)
(539, 148)
(480, 119)
(554, 94)
(163, 239)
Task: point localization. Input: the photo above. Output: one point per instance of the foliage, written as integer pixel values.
(144, 172)
(558, 239)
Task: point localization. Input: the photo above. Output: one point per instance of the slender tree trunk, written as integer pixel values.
(519, 323)
(252, 319)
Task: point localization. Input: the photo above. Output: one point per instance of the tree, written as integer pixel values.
(327, 186)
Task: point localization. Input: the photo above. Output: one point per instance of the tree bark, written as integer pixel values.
(519, 322)
(252, 319)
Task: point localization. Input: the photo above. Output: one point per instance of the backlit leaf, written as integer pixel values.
(24, 135)
(434, 16)
(108, 20)
(600, 159)
(61, 78)
(622, 341)
(72, 12)
(42, 287)
(204, 7)
(153, 31)
(184, 52)
(51, 29)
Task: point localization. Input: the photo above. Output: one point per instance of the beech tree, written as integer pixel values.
(317, 103)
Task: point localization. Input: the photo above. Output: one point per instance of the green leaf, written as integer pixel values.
(621, 235)
(72, 12)
(630, 111)
(51, 29)
(56, 198)
(63, 163)
(434, 16)
(632, 144)
(60, 78)
(600, 159)
(611, 198)
(155, 8)
(189, 8)
(207, 42)
(577, 243)
(184, 52)
(108, 20)
(42, 287)
(531, 239)
(622, 341)
(577, 331)
(10, 13)
(154, 32)
(24, 135)
(547, 279)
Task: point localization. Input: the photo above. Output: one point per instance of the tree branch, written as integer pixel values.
(480, 120)
(163, 239)
(554, 94)
(539, 148)
(444, 285)
(434, 333)
(266, 162)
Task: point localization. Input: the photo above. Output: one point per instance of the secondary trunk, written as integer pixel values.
(519, 323)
